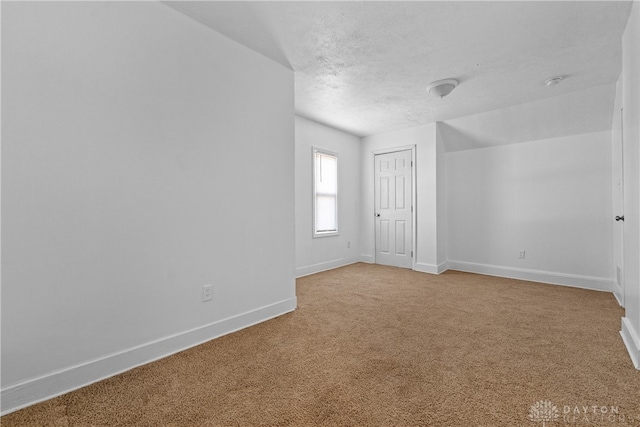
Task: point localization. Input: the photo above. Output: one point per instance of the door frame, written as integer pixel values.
(619, 279)
(414, 199)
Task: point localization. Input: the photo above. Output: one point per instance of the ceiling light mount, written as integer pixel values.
(442, 88)
(553, 81)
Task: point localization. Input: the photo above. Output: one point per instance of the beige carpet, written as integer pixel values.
(380, 346)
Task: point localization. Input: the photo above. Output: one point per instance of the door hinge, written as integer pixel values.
(411, 254)
(411, 163)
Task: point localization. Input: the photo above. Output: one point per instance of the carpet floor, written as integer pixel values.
(379, 346)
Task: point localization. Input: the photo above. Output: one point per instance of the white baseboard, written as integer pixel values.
(618, 292)
(324, 266)
(617, 295)
(54, 384)
(575, 281)
(431, 268)
(631, 341)
(369, 259)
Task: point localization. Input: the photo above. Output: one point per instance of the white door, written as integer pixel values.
(393, 207)
(618, 209)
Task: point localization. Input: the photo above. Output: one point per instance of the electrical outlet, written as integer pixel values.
(521, 254)
(207, 293)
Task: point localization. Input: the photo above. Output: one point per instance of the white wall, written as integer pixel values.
(551, 198)
(631, 145)
(143, 156)
(428, 161)
(441, 201)
(317, 254)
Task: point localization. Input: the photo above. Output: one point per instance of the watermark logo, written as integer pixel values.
(544, 411)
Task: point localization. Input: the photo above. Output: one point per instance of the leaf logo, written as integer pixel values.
(543, 411)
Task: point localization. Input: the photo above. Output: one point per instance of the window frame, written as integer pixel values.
(315, 233)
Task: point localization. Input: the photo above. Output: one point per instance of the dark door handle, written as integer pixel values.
(620, 218)
(377, 215)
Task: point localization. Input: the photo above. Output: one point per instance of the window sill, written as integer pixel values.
(327, 234)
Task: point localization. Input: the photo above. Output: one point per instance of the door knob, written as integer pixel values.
(620, 218)
(377, 215)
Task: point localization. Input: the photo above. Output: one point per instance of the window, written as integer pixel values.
(325, 193)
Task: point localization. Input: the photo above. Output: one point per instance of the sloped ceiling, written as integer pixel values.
(363, 66)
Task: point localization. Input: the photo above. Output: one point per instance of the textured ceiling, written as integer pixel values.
(363, 66)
